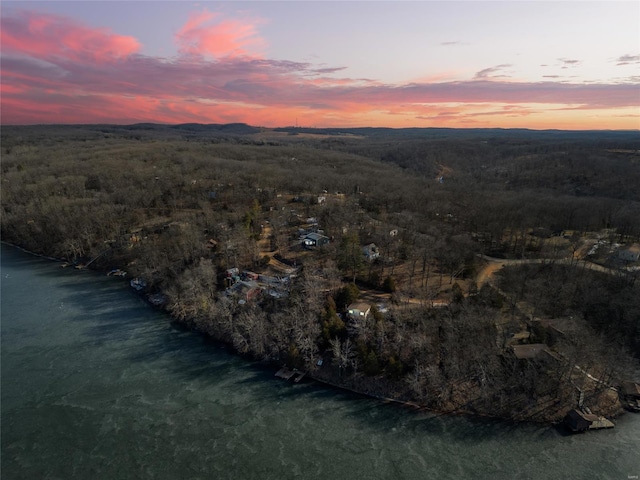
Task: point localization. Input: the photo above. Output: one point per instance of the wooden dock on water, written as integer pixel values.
(287, 374)
(601, 422)
(581, 420)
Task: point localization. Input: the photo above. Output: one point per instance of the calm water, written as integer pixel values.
(96, 385)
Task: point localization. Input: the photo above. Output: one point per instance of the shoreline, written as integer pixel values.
(40, 255)
(326, 383)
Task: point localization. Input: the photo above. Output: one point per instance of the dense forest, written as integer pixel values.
(483, 271)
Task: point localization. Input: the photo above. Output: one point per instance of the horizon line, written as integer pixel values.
(316, 128)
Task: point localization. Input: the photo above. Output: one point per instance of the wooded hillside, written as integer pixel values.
(459, 247)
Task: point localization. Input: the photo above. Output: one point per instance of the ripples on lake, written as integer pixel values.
(96, 384)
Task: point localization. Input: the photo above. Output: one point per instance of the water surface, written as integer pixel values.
(98, 385)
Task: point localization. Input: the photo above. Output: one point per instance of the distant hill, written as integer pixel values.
(378, 132)
(467, 133)
(233, 128)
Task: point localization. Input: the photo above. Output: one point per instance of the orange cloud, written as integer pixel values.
(44, 35)
(225, 38)
(57, 71)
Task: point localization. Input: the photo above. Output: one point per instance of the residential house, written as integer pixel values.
(314, 240)
(232, 276)
(246, 291)
(358, 310)
(247, 275)
(250, 290)
(371, 252)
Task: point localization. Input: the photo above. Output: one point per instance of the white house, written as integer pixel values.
(358, 310)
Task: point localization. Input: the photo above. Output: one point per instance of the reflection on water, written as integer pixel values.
(95, 384)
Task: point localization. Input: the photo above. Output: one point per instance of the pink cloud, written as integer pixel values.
(43, 36)
(203, 34)
(94, 75)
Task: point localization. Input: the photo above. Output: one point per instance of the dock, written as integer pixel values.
(581, 420)
(598, 421)
(601, 422)
(287, 374)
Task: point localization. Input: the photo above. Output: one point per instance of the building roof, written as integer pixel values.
(631, 389)
(634, 247)
(561, 325)
(529, 351)
(360, 306)
(244, 286)
(315, 236)
(577, 414)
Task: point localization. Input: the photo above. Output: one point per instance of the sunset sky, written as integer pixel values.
(565, 65)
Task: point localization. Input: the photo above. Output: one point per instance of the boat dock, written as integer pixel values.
(287, 374)
(601, 422)
(581, 420)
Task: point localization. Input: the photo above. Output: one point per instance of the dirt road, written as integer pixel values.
(496, 264)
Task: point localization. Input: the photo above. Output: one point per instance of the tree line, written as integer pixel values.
(178, 206)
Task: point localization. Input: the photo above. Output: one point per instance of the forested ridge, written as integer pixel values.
(484, 242)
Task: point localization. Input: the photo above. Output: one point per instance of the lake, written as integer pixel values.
(96, 384)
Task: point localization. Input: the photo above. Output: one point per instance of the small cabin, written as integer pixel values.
(358, 310)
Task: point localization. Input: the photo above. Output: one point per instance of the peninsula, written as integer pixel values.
(485, 271)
